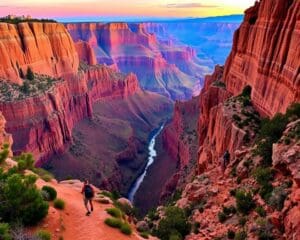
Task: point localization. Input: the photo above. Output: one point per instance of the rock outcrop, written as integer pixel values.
(266, 56)
(46, 48)
(171, 70)
(86, 53)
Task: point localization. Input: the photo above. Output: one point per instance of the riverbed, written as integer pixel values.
(146, 190)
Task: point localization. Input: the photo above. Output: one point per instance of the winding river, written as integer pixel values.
(151, 158)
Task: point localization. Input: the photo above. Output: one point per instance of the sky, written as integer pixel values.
(81, 9)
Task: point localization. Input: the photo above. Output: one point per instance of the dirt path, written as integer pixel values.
(72, 223)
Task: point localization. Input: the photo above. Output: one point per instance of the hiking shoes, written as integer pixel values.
(88, 213)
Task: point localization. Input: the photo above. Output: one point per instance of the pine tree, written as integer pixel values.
(29, 74)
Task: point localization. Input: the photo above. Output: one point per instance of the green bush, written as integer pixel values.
(21, 200)
(115, 212)
(4, 232)
(113, 222)
(43, 235)
(25, 161)
(230, 234)
(126, 229)
(51, 192)
(44, 174)
(4, 153)
(175, 236)
(144, 235)
(175, 220)
(59, 204)
(222, 217)
(260, 211)
(263, 175)
(244, 201)
(243, 221)
(241, 235)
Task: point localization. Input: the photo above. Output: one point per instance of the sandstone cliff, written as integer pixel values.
(46, 48)
(43, 124)
(266, 56)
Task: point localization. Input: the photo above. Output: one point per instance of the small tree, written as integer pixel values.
(25, 88)
(29, 74)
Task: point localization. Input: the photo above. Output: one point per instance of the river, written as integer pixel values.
(152, 154)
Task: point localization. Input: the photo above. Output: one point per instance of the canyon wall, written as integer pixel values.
(171, 70)
(44, 47)
(43, 124)
(266, 56)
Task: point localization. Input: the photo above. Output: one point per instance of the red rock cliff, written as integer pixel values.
(43, 124)
(266, 55)
(44, 47)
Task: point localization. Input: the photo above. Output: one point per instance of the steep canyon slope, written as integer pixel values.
(42, 113)
(260, 79)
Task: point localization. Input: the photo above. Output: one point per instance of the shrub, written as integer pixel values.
(115, 212)
(230, 234)
(241, 235)
(222, 217)
(29, 74)
(243, 221)
(25, 88)
(25, 161)
(244, 201)
(265, 191)
(126, 229)
(263, 175)
(260, 211)
(43, 235)
(175, 236)
(22, 201)
(44, 174)
(247, 91)
(4, 153)
(4, 232)
(278, 197)
(51, 192)
(113, 222)
(59, 204)
(144, 235)
(264, 230)
(175, 221)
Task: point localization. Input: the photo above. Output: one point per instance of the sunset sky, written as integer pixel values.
(123, 8)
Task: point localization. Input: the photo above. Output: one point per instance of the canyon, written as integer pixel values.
(263, 63)
(48, 121)
(157, 53)
(93, 121)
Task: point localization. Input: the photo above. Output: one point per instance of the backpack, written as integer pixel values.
(88, 191)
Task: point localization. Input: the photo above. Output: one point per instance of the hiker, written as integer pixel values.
(225, 161)
(88, 194)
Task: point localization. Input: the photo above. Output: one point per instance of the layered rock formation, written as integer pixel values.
(210, 37)
(5, 138)
(43, 124)
(46, 48)
(171, 70)
(44, 121)
(265, 55)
